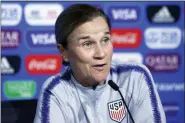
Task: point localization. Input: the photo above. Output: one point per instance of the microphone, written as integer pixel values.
(116, 88)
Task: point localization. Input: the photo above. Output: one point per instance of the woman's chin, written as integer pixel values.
(100, 79)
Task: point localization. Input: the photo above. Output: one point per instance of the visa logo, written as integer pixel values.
(124, 13)
(41, 38)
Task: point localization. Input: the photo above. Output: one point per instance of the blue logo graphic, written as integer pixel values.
(41, 38)
(162, 38)
(9, 14)
(124, 13)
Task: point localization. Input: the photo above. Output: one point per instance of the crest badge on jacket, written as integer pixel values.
(117, 110)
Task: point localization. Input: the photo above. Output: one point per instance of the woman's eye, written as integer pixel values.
(87, 44)
(106, 40)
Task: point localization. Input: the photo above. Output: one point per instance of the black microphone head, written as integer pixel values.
(113, 85)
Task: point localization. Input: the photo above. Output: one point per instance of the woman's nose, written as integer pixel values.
(99, 52)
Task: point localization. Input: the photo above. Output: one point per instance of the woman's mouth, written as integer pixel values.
(99, 66)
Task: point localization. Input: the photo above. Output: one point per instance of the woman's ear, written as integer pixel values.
(60, 48)
(63, 52)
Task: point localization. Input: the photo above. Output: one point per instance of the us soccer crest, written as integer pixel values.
(117, 110)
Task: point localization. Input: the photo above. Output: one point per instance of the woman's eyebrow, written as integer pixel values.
(83, 37)
(88, 37)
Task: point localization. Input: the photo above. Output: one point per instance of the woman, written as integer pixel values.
(81, 94)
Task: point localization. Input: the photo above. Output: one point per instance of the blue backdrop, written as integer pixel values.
(151, 33)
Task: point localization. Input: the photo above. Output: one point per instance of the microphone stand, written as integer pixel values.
(116, 88)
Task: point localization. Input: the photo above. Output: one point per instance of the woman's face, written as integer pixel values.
(90, 52)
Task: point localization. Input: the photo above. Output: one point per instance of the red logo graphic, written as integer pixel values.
(126, 38)
(43, 64)
(117, 110)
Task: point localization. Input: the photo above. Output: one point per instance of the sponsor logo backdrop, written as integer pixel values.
(151, 33)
